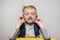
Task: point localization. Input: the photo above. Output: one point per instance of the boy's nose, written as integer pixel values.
(30, 15)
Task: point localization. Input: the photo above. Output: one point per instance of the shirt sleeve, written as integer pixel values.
(14, 33)
(44, 33)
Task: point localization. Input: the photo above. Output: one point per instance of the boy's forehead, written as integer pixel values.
(29, 9)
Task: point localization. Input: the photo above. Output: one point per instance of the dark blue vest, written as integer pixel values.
(23, 30)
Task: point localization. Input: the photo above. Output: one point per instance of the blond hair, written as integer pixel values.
(29, 6)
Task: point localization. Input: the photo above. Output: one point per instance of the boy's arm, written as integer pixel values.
(44, 33)
(14, 34)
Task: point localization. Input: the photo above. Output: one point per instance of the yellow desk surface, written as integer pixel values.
(33, 39)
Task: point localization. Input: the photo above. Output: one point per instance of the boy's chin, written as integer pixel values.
(30, 23)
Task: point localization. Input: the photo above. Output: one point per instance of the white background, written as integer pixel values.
(48, 10)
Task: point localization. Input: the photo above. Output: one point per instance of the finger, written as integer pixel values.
(38, 19)
(21, 17)
(18, 18)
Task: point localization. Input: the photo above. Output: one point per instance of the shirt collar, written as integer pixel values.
(29, 26)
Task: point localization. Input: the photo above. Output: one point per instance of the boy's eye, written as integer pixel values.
(33, 13)
(27, 14)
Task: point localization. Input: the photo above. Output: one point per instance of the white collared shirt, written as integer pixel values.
(29, 30)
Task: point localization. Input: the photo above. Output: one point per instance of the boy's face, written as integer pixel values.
(29, 15)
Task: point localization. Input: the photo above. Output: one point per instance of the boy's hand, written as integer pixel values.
(20, 22)
(39, 22)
